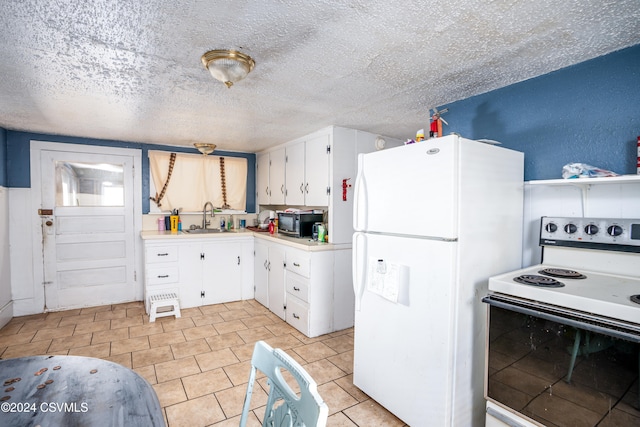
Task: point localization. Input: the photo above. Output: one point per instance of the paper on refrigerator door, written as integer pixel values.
(389, 280)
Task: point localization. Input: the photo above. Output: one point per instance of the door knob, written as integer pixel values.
(49, 223)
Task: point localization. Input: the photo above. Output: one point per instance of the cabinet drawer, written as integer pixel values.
(299, 262)
(161, 254)
(162, 275)
(297, 286)
(297, 314)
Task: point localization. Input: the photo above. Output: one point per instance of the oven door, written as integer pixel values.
(556, 366)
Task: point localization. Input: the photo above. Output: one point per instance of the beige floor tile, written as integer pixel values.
(190, 348)
(11, 328)
(280, 328)
(166, 338)
(126, 322)
(206, 383)
(340, 343)
(96, 309)
(343, 361)
(135, 311)
(340, 420)
(64, 313)
(232, 400)
(255, 334)
(284, 342)
(111, 314)
(170, 392)
(346, 383)
(234, 315)
(199, 412)
(230, 326)
(146, 329)
(225, 340)
(129, 345)
(369, 413)
(173, 369)
(322, 371)
(335, 397)
(256, 321)
(252, 421)
(152, 356)
(110, 335)
(85, 328)
(216, 359)
(15, 339)
(315, 351)
(213, 309)
(245, 351)
(207, 319)
(61, 331)
(66, 343)
(199, 332)
(78, 319)
(29, 349)
(99, 350)
(239, 373)
(37, 325)
(170, 324)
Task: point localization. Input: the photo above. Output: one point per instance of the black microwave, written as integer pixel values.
(297, 224)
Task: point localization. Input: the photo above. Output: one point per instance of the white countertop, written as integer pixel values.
(305, 243)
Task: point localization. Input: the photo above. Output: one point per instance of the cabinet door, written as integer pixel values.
(294, 175)
(276, 176)
(262, 179)
(317, 171)
(261, 273)
(222, 272)
(190, 275)
(276, 280)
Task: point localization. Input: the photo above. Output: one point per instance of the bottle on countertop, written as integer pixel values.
(222, 223)
(161, 224)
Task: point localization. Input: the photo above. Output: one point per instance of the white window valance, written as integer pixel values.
(196, 179)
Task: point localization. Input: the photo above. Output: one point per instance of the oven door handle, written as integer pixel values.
(614, 328)
(501, 417)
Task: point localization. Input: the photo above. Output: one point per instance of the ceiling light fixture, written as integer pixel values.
(228, 66)
(204, 148)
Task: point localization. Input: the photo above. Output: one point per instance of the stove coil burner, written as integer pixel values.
(541, 281)
(635, 298)
(562, 273)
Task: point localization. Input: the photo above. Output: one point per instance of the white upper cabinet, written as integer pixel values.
(270, 185)
(316, 168)
(294, 175)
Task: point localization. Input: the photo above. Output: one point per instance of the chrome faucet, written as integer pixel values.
(204, 214)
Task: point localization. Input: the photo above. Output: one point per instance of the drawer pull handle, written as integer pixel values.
(295, 264)
(163, 277)
(295, 316)
(296, 289)
(164, 254)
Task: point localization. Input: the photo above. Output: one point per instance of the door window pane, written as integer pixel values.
(89, 184)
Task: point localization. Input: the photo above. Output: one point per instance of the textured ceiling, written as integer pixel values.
(131, 70)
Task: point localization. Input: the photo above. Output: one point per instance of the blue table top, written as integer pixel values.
(75, 391)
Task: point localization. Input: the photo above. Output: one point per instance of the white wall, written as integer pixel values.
(564, 199)
(6, 306)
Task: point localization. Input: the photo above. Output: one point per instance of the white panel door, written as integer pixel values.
(88, 229)
(417, 181)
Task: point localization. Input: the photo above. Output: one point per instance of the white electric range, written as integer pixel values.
(581, 305)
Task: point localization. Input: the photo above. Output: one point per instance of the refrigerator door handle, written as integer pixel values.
(358, 266)
(360, 198)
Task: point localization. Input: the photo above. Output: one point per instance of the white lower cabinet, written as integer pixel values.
(309, 286)
(200, 271)
(269, 276)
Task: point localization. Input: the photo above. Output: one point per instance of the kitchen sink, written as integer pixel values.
(204, 230)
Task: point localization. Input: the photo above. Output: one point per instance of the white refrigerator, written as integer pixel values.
(433, 221)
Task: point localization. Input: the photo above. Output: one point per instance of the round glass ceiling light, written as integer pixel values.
(228, 66)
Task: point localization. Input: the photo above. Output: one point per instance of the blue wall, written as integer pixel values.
(19, 171)
(586, 113)
(3, 158)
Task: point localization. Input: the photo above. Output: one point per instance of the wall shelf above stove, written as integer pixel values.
(585, 182)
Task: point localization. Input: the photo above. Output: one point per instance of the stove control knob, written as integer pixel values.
(591, 229)
(570, 228)
(551, 227)
(614, 230)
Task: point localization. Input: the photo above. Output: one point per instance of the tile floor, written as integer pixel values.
(199, 364)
